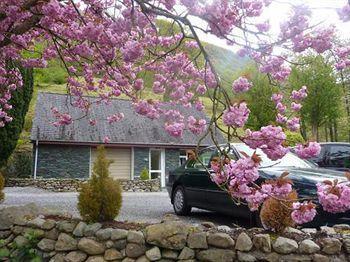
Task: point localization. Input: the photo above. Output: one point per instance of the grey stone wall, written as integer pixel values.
(141, 160)
(61, 161)
(172, 159)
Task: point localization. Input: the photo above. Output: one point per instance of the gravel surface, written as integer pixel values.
(140, 207)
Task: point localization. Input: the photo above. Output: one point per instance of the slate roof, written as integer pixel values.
(134, 129)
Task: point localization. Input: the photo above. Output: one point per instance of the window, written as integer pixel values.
(183, 157)
(339, 151)
(205, 157)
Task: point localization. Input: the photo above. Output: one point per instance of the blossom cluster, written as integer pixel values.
(303, 212)
(334, 197)
(309, 150)
(236, 115)
(241, 84)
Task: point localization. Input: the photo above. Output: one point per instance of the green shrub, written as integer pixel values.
(293, 138)
(144, 174)
(19, 165)
(100, 198)
(2, 185)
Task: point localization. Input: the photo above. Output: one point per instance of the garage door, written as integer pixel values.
(121, 166)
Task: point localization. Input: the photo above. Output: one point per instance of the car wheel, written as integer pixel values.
(180, 202)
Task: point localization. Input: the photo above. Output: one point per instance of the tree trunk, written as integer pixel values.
(314, 132)
(331, 132)
(303, 130)
(335, 128)
(326, 132)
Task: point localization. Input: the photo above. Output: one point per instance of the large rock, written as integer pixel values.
(20, 241)
(66, 226)
(136, 237)
(75, 256)
(52, 234)
(65, 243)
(135, 250)
(91, 246)
(308, 246)
(18, 215)
(47, 244)
(79, 229)
(346, 244)
(170, 254)
(48, 224)
(216, 255)
(91, 229)
(153, 254)
(197, 240)
(186, 253)
(171, 235)
(36, 222)
(245, 257)
(284, 245)
(221, 240)
(243, 242)
(331, 246)
(112, 254)
(262, 242)
(104, 234)
(96, 259)
(118, 234)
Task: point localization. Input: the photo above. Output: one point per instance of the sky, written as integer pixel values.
(323, 11)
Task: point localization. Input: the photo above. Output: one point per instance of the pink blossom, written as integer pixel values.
(237, 115)
(293, 124)
(334, 197)
(115, 118)
(241, 85)
(295, 106)
(263, 27)
(196, 126)
(106, 140)
(281, 108)
(281, 119)
(311, 149)
(175, 129)
(344, 13)
(300, 94)
(303, 212)
(277, 98)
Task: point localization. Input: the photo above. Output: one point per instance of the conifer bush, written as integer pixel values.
(2, 185)
(100, 198)
(144, 174)
(275, 213)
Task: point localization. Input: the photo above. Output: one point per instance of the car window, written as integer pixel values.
(206, 156)
(339, 151)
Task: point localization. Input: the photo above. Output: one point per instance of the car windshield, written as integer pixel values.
(289, 160)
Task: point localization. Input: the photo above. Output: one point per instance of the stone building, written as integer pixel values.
(136, 142)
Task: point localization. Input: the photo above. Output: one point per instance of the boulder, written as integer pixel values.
(216, 255)
(79, 229)
(47, 245)
(135, 250)
(308, 246)
(284, 245)
(91, 246)
(91, 229)
(52, 234)
(186, 253)
(18, 215)
(136, 237)
(171, 235)
(112, 254)
(66, 226)
(48, 224)
(169, 254)
(309, 231)
(246, 257)
(75, 256)
(96, 259)
(328, 230)
(346, 244)
(221, 240)
(197, 240)
(20, 241)
(65, 243)
(331, 246)
(153, 254)
(243, 242)
(104, 234)
(120, 244)
(262, 242)
(143, 259)
(36, 222)
(320, 258)
(117, 234)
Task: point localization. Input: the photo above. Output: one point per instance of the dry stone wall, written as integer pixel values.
(71, 185)
(66, 239)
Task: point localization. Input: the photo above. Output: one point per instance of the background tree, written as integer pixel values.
(323, 104)
(20, 100)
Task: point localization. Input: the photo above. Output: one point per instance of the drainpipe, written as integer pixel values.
(36, 157)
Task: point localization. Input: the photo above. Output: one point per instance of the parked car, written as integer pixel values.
(334, 155)
(191, 186)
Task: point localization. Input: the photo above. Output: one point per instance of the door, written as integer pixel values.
(120, 168)
(157, 165)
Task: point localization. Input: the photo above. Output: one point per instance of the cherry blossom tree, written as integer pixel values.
(107, 45)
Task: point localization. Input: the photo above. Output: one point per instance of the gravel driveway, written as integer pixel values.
(141, 207)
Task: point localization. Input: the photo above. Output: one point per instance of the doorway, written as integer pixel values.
(157, 165)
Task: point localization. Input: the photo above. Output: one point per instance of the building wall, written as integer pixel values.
(62, 161)
(172, 159)
(141, 160)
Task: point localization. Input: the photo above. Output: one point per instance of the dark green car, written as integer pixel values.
(191, 186)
